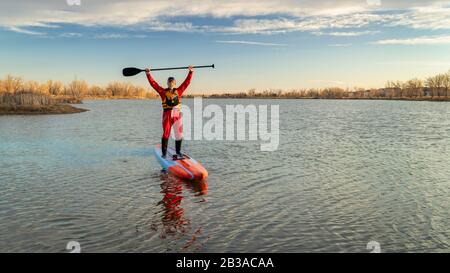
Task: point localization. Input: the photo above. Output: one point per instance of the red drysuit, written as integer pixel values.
(171, 102)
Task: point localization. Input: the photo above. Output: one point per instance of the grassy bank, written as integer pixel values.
(19, 97)
(53, 97)
(25, 102)
(40, 110)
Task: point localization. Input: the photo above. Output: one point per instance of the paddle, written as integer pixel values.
(132, 71)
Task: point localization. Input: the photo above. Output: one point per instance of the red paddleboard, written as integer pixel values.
(185, 168)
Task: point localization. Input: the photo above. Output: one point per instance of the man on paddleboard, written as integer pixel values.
(171, 103)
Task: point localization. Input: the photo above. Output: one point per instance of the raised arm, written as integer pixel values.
(186, 82)
(153, 83)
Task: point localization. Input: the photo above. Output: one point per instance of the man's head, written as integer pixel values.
(171, 83)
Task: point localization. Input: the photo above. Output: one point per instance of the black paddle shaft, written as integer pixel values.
(132, 71)
(184, 67)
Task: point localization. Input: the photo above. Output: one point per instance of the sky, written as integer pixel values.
(260, 44)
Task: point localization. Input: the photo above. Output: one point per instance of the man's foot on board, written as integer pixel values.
(177, 157)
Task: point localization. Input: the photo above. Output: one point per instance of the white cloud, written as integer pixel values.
(311, 23)
(71, 35)
(249, 43)
(25, 31)
(111, 36)
(428, 17)
(424, 40)
(346, 34)
(168, 26)
(118, 36)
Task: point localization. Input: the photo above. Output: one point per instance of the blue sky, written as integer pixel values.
(255, 44)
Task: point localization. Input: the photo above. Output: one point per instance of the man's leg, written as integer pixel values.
(166, 123)
(164, 143)
(178, 130)
(178, 146)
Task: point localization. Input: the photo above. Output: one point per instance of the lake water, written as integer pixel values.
(345, 173)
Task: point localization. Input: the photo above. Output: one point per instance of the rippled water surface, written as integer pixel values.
(346, 173)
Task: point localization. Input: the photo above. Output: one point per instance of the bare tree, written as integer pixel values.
(114, 89)
(76, 89)
(96, 91)
(251, 92)
(54, 88)
(414, 87)
(11, 84)
(139, 91)
(446, 83)
(33, 87)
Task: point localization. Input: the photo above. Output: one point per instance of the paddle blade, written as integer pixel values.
(131, 71)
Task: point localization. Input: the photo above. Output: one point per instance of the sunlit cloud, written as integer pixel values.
(427, 17)
(308, 24)
(424, 40)
(241, 16)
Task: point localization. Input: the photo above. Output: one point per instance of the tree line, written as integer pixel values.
(76, 89)
(432, 88)
(15, 90)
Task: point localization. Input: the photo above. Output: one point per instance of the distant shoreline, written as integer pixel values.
(433, 99)
(19, 97)
(61, 109)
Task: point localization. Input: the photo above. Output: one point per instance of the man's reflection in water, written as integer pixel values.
(175, 224)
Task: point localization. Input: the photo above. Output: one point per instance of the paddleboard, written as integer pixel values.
(186, 168)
